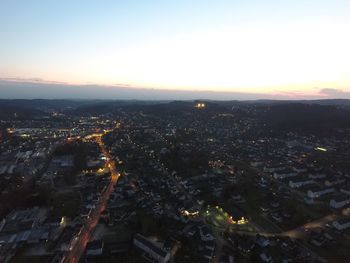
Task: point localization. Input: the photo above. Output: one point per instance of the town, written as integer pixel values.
(181, 181)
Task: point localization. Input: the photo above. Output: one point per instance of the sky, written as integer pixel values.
(262, 49)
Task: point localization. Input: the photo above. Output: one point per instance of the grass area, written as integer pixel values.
(253, 200)
(258, 219)
(65, 204)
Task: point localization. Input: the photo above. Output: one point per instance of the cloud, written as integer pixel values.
(37, 88)
(334, 93)
(31, 80)
(294, 94)
(18, 88)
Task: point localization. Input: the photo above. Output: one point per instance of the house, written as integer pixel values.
(153, 249)
(317, 175)
(319, 241)
(299, 169)
(345, 189)
(210, 245)
(264, 208)
(286, 173)
(299, 182)
(236, 197)
(94, 248)
(205, 234)
(316, 192)
(308, 201)
(38, 235)
(22, 220)
(245, 246)
(265, 257)
(341, 224)
(339, 201)
(277, 217)
(262, 241)
(190, 230)
(271, 169)
(208, 251)
(331, 182)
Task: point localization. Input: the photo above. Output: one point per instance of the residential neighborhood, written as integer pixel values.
(202, 184)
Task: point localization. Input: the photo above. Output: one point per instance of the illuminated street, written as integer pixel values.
(78, 249)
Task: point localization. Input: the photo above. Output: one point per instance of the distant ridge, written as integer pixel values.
(59, 104)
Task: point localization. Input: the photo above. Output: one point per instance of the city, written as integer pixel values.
(176, 131)
(198, 181)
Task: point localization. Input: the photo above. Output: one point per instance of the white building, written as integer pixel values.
(345, 190)
(300, 182)
(341, 224)
(284, 174)
(94, 248)
(339, 201)
(318, 192)
(317, 176)
(153, 249)
(334, 182)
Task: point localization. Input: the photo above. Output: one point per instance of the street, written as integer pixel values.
(78, 248)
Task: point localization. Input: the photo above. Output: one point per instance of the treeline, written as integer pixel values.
(79, 150)
(305, 117)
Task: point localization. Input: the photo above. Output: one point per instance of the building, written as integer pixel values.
(339, 201)
(297, 183)
(286, 173)
(154, 250)
(94, 248)
(341, 224)
(22, 220)
(265, 257)
(205, 234)
(316, 192)
(345, 189)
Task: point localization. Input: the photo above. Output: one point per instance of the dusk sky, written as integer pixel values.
(265, 49)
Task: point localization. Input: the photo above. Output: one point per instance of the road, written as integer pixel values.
(79, 244)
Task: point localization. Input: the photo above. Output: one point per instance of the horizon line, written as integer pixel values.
(38, 88)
